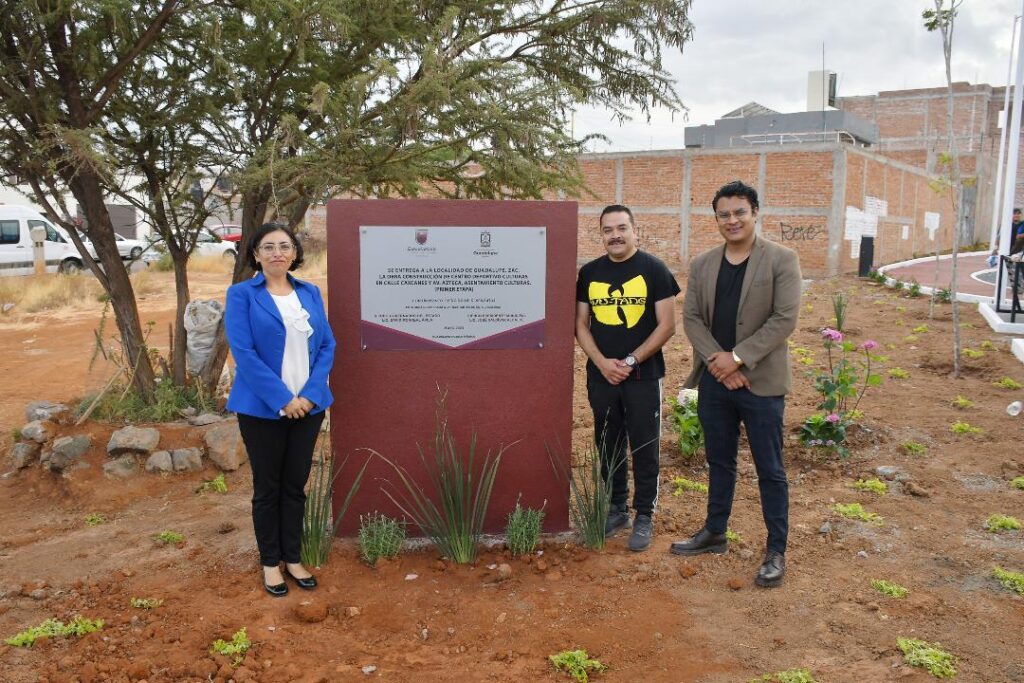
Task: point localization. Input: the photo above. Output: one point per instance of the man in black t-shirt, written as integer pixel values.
(625, 312)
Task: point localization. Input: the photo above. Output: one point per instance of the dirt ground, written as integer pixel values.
(649, 617)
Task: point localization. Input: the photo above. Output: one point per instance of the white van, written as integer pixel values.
(16, 249)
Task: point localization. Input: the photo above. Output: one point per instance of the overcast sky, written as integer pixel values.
(747, 50)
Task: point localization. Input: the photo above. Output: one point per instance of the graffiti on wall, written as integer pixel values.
(800, 233)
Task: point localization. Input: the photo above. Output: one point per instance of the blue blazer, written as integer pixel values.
(256, 335)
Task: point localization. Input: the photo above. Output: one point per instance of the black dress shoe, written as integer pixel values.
(701, 542)
(772, 570)
(308, 583)
(278, 590)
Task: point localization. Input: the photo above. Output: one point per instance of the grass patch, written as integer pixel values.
(733, 537)
(928, 656)
(1013, 581)
(997, 523)
(873, 485)
(790, 676)
(1017, 483)
(146, 603)
(51, 628)
(988, 346)
(1007, 383)
(590, 494)
(235, 648)
(121, 404)
(576, 663)
(893, 590)
(522, 532)
(216, 485)
(913, 448)
(43, 293)
(910, 339)
(959, 427)
(962, 403)
(379, 536)
(898, 373)
(920, 329)
(972, 353)
(857, 512)
(168, 538)
(95, 519)
(682, 484)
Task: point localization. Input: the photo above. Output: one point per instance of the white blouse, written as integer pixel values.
(295, 364)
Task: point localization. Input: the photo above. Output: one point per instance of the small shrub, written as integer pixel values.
(523, 529)
(51, 628)
(997, 523)
(319, 523)
(913, 448)
(898, 373)
(146, 603)
(911, 339)
(840, 304)
(893, 590)
(683, 484)
(920, 329)
(901, 309)
(972, 353)
(1007, 383)
(217, 485)
(685, 421)
(928, 656)
(126, 405)
(379, 536)
(16, 433)
(576, 663)
(790, 676)
(897, 285)
(988, 346)
(95, 519)
(962, 403)
(944, 295)
(959, 427)
(873, 485)
(168, 538)
(1017, 483)
(914, 289)
(1013, 581)
(733, 537)
(234, 649)
(590, 493)
(968, 326)
(857, 512)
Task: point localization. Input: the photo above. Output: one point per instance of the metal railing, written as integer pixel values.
(836, 136)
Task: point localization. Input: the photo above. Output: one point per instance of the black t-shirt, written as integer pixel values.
(622, 297)
(727, 302)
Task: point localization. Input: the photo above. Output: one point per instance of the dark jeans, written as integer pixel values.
(721, 411)
(629, 414)
(281, 455)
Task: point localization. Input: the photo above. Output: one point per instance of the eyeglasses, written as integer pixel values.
(284, 248)
(738, 213)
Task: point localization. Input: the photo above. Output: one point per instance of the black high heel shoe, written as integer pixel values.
(308, 583)
(278, 590)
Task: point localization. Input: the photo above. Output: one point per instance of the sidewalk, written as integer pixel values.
(924, 273)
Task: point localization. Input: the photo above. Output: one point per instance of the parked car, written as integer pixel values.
(16, 246)
(207, 244)
(129, 249)
(229, 232)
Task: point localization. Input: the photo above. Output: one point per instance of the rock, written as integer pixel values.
(205, 419)
(369, 669)
(64, 451)
(39, 431)
(686, 570)
(160, 461)
(7, 307)
(24, 454)
(916, 490)
(825, 528)
(38, 594)
(351, 612)
(503, 572)
(411, 577)
(242, 674)
(224, 446)
(862, 553)
(122, 467)
(887, 471)
(734, 584)
(187, 412)
(45, 410)
(310, 612)
(133, 440)
(187, 459)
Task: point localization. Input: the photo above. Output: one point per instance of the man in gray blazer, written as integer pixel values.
(741, 306)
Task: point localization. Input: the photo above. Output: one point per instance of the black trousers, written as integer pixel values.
(281, 455)
(721, 411)
(629, 414)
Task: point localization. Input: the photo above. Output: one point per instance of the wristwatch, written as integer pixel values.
(630, 360)
(739, 361)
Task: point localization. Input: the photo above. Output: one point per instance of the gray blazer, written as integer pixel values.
(767, 315)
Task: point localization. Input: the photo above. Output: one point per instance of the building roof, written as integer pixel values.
(749, 109)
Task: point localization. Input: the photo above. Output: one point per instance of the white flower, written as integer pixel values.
(686, 395)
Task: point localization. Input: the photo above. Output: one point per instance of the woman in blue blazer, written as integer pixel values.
(283, 349)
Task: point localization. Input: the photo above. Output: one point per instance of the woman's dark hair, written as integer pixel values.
(263, 231)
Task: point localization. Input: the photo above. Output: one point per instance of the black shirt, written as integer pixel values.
(622, 297)
(727, 302)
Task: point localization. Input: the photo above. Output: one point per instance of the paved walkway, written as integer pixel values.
(924, 273)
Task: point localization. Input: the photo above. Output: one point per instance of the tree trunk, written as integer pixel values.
(183, 296)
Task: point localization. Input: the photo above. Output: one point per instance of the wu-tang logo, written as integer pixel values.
(619, 306)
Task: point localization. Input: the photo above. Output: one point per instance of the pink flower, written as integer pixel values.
(832, 417)
(832, 335)
(869, 345)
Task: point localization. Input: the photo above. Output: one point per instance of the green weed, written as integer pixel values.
(683, 484)
(997, 523)
(893, 590)
(967, 326)
(857, 512)
(1013, 581)
(897, 285)
(988, 346)
(910, 339)
(235, 649)
(959, 427)
(914, 290)
(840, 305)
(523, 529)
(126, 405)
(913, 448)
(379, 536)
(733, 537)
(972, 353)
(962, 403)
(684, 418)
(168, 538)
(920, 329)
(790, 676)
(590, 494)
(146, 603)
(928, 656)
(576, 663)
(217, 485)
(1017, 483)
(319, 523)
(16, 433)
(51, 628)
(873, 485)
(1007, 383)
(898, 373)
(944, 295)
(95, 519)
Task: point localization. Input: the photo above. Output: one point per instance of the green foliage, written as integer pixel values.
(913, 448)
(1017, 483)
(319, 523)
(234, 649)
(168, 538)
(944, 295)
(464, 490)
(877, 277)
(962, 403)
(733, 537)
(16, 433)
(146, 603)
(120, 404)
(576, 663)
(920, 329)
(911, 339)
(1007, 383)
(522, 531)
(590, 494)
(217, 485)
(988, 346)
(893, 590)
(857, 512)
(682, 484)
(52, 628)
(928, 656)
(874, 485)
(379, 536)
(897, 285)
(997, 523)
(789, 676)
(95, 519)
(1013, 581)
(972, 353)
(164, 264)
(840, 304)
(959, 427)
(898, 373)
(914, 289)
(686, 422)
(826, 431)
